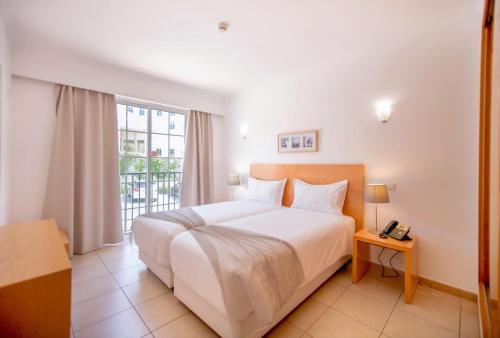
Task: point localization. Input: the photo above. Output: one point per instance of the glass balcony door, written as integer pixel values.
(151, 141)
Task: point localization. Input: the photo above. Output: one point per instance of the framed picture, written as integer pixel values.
(298, 142)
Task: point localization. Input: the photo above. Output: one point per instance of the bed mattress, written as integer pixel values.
(320, 239)
(153, 236)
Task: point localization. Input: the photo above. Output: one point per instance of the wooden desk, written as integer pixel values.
(65, 240)
(361, 259)
(35, 281)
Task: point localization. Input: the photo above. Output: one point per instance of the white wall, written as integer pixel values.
(5, 72)
(428, 149)
(55, 65)
(31, 132)
(32, 128)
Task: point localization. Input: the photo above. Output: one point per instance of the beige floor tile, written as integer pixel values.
(439, 295)
(366, 310)
(469, 305)
(161, 310)
(132, 275)
(307, 312)
(91, 288)
(333, 324)
(91, 311)
(405, 325)
(429, 308)
(305, 335)
(88, 272)
(187, 326)
(78, 261)
(469, 324)
(145, 289)
(328, 292)
(126, 324)
(378, 290)
(115, 251)
(343, 277)
(284, 330)
(123, 262)
(130, 240)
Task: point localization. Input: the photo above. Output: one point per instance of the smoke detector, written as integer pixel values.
(223, 26)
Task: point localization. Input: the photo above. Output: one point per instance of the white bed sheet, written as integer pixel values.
(320, 239)
(153, 236)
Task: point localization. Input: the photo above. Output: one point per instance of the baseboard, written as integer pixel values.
(447, 288)
(442, 287)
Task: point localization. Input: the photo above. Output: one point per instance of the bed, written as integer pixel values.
(153, 236)
(323, 243)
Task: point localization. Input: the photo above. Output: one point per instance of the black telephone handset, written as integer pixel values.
(396, 231)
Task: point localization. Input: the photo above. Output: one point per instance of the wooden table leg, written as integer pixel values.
(411, 273)
(361, 260)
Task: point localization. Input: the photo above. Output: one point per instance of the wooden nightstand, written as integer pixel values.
(361, 262)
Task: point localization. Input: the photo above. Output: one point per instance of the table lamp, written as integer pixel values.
(376, 194)
(233, 180)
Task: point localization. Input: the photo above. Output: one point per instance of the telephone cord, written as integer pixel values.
(382, 274)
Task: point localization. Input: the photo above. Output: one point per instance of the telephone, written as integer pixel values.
(396, 231)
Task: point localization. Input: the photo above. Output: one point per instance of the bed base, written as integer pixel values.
(164, 273)
(249, 327)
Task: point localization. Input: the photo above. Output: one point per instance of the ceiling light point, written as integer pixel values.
(223, 26)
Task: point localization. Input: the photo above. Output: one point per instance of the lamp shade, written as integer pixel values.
(233, 180)
(376, 193)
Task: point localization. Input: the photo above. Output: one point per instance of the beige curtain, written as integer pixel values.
(197, 176)
(83, 191)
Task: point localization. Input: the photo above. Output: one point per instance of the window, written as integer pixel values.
(151, 154)
(140, 146)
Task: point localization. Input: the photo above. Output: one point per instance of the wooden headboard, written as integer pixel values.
(319, 174)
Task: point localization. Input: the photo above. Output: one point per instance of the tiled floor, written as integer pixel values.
(114, 295)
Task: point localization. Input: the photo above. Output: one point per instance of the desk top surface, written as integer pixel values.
(30, 250)
(369, 237)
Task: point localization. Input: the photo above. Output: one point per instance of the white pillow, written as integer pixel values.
(320, 197)
(270, 192)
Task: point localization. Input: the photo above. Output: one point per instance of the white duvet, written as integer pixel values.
(320, 239)
(154, 236)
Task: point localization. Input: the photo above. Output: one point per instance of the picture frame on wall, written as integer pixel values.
(302, 141)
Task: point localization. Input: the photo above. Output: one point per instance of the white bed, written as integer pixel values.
(153, 236)
(322, 241)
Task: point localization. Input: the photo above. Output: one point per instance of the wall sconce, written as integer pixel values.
(244, 131)
(384, 111)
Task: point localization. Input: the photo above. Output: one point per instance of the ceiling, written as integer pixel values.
(179, 40)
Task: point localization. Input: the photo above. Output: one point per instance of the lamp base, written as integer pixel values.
(374, 231)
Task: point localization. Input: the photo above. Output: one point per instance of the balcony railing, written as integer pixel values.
(164, 194)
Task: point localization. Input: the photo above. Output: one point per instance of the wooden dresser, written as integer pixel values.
(35, 281)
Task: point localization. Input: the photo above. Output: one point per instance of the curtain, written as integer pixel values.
(83, 188)
(197, 176)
